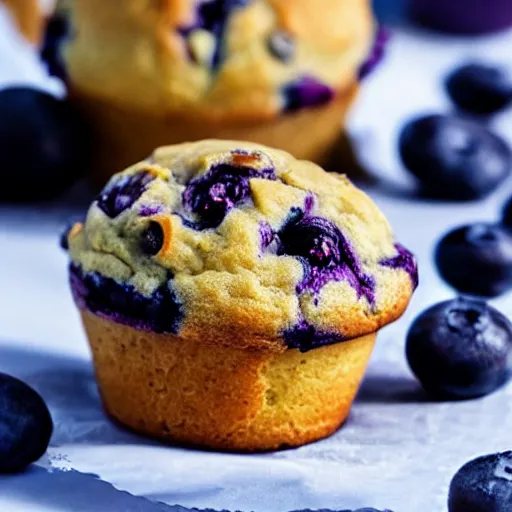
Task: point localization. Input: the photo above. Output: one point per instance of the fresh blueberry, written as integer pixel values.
(25, 425)
(325, 253)
(454, 158)
(148, 210)
(476, 259)
(212, 196)
(120, 194)
(57, 30)
(44, 144)
(483, 485)
(160, 312)
(480, 88)
(306, 92)
(152, 238)
(460, 349)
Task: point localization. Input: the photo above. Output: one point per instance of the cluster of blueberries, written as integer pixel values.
(457, 157)
(462, 348)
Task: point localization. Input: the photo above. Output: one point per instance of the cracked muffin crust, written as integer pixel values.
(241, 245)
(231, 294)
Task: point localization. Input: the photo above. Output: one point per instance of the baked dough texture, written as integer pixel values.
(230, 267)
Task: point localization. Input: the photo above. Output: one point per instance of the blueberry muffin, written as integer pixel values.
(270, 71)
(232, 294)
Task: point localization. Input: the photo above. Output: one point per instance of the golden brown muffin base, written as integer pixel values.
(194, 393)
(125, 136)
(28, 17)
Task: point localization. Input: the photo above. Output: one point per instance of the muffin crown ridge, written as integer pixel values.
(244, 237)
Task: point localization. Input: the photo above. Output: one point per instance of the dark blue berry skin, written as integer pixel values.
(120, 194)
(152, 238)
(212, 196)
(25, 425)
(161, 312)
(305, 337)
(306, 92)
(44, 144)
(476, 259)
(454, 158)
(325, 254)
(480, 89)
(460, 349)
(507, 214)
(483, 485)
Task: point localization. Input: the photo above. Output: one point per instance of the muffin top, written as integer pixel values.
(236, 243)
(245, 59)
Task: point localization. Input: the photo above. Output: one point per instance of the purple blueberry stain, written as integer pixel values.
(377, 53)
(148, 210)
(121, 194)
(325, 254)
(213, 16)
(309, 203)
(305, 92)
(404, 260)
(78, 286)
(212, 196)
(161, 312)
(305, 337)
(267, 235)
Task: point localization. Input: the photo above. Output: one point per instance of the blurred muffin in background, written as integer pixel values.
(270, 71)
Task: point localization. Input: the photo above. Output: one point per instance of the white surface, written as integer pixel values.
(397, 450)
(19, 63)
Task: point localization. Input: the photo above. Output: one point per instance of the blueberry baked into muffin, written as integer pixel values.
(232, 294)
(276, 72)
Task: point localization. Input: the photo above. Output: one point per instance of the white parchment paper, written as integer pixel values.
(397, 451)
